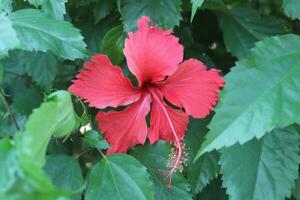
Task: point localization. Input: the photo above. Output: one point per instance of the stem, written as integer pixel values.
(11, 115)
(177, 141)
(101, 153)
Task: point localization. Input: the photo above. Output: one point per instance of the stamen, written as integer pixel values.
(176, 159)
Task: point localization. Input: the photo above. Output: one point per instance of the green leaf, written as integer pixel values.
(213, 5)
(206, 168)
(95, 140)
(291, 8)
(8, 167)
(6, 6)
(164, 12)
(155, 157)
(102, 9)
(8, 36)
(1, 73)
(269, 96)
(65, 173)
(55, 8)
(112, 44)
(243, 26)
(49, 120)
(195, 5)
(296, 190)
(37, 32)
(33, 98)
(119, 176)
(262, 169)
(42, 67)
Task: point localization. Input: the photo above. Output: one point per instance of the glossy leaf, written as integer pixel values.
(262, 169)
(37, 32)
(95, 140)
(242, 27)
(269, 97)
(164, 12)
(119, 176)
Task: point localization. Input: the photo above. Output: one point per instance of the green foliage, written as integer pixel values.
(270, 82)
(155, 158)
(72, 179)
(112, 44)
(262, 169)
(164, 12)
(8, 36)
(95, 140)
(291, 8)
(248, 147)
(37, 32)
(119, 176)
(243, 26)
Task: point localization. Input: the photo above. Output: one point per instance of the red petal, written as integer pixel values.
(103, 84)
(160, 127)
(193, 87)
(152, 53)
(126, 128)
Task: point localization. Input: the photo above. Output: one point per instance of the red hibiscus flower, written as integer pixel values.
(155, 57)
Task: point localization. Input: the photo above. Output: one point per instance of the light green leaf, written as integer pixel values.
(37, 32)
(262, 169)
(164, 12)
(102, 9)
(260, 93)
(112, 44)
(8, 36)
(155, 157)
(6, 6)
(8, 167)
(95, 140)
(1, 73)
(49, 120)
(291, 8)
(243, 26)
(56, 9)
(195, 5)
(65, 173)
(119, 176)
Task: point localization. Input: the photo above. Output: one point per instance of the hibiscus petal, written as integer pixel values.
(160, 127)
(193, 87)
(103, 84)
(152, 53)
(126, 128)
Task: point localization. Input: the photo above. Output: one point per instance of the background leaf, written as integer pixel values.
(270, 82)
(119, 176)
(291, 8)
(262, 169)
(164, 12)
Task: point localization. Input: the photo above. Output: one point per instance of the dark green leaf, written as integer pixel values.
(112, 44)
(155, 157)
(260, 93)
(65, 173)
(102, 9)
(262, 169)
(95, 140)
(296, 190)
(164, 12)
(119, 176)
(242, 27)
(37, 32)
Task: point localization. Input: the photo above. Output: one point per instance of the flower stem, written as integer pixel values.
(11, 115)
